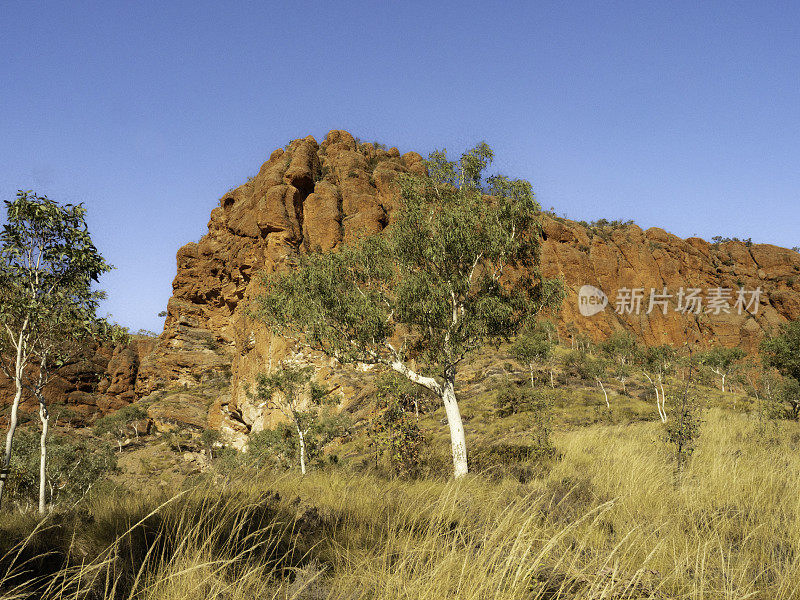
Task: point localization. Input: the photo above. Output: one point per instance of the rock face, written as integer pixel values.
(314, 196)
(94, 382)
(626, 257)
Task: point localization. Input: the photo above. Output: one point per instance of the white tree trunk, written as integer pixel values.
(457, 439)
(44, 417)
(13, 419)
(659, 400)
(602, 387)
(302, 439)
(448, 395)
(530, 367)
(12, 428)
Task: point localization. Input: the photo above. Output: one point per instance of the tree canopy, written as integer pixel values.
(458, 266)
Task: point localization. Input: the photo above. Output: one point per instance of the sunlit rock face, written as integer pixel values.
(314, 196)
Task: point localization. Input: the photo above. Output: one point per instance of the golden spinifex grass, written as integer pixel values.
(612, 519)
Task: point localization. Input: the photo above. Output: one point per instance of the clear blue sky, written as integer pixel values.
(683, 115)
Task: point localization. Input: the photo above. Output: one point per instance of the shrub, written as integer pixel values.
(73, 467)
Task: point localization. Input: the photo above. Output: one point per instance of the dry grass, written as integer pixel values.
(611, 519)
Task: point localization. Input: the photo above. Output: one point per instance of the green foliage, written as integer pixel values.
(718, 239)
(119, 335)
(683, 427)
(394, 429)
(120, 424)
(620, 346)
(594, 368)
(284, 388)
(74, 465)
(47, 266)
(308, 407)
(534, 344)
(721, 360)
(435, 272)
(278, 448)
(782, 351)
(781, 398)
(576, 362)
(603, 228)
(657, 360)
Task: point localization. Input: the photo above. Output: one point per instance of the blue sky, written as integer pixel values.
(682, 115)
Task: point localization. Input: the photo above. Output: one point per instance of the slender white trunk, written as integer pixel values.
(457, 439)
(13, 419)
(658, 400)
(530, 367)
(663, 402)
(12, 428)
(302, 439)
(602, 387)
(552, 383)
(44, 417)
(448, 395)
(723, 383)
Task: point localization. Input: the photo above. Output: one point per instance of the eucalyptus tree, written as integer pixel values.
(48, 264)
(289, 391)
(457, 267)
(782, 352)
(621, 348)
(722, 361)
(534, 345)
(657, 362)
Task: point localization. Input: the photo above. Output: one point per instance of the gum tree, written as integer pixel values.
(782, 352)
(620, 348)
(290, 391)
(47, 266)
(722, 361)
(457, 267)
(657, 362)
(535, 345)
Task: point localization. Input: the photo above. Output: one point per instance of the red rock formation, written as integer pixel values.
(310, 197)
(313, 196)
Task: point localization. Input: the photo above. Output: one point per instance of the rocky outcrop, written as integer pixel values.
(95, 381)
(313, 196)
(621, 257)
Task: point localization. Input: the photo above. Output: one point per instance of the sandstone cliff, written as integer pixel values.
(314, 196)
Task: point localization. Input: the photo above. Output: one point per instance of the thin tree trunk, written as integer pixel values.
(663, 402)
(602, 387)
(12, 428)
(302, 448)
(457, 439)
(552, 384)
(44, 417)
(658, 400)
(530, 367)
